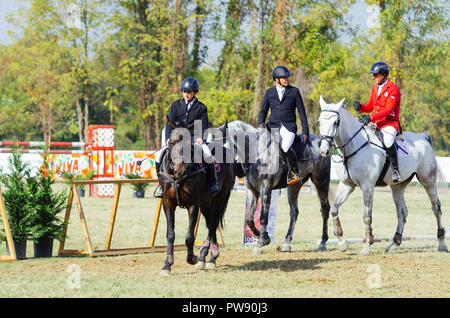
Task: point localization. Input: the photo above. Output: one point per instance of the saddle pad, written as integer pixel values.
(402, 147)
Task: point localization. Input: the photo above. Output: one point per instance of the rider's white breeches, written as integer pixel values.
(389, 134)
(287, 138)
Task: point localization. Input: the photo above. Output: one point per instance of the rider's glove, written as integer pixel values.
(357, 105)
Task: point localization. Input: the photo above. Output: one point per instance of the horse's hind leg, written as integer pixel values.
(252, 200)
(190, 237)
(343, 191)
(292, 192)
(430, 188)
(398, 194)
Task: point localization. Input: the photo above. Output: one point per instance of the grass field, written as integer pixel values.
(416, 270)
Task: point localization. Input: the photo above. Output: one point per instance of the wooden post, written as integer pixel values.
(113, 216)
(9, 239)
(155, 223)
(83, 221)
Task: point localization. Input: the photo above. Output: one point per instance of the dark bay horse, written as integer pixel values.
(266, 170)
(184, 183)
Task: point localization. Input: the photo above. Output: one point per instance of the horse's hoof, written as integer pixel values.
(342, 245)
(442, 247)
(257, 250)
(193, 260)
(391, 248)
(165, 273)
(210, 265)
(286, 248)
(365, 251)
(322, 247)
(200, 265)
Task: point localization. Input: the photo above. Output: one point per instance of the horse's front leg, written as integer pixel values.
(190, 237)
(169, 211)
(322, 193)
(343, 191)
(252, 200)
(292, 192)
(264, 239)
(368, 203)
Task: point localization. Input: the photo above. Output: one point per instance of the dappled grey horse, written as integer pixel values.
(364, 165)
(259, 156)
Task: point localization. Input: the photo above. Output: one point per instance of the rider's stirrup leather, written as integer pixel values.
(158, 191)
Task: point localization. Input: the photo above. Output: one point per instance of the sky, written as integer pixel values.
(360, 15)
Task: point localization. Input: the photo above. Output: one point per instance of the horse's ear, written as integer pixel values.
(339, 105)
(322, 103)
(170, 122)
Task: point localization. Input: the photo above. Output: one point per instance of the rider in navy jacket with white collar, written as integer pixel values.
(282, 100)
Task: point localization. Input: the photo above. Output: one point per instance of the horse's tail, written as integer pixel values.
(441, 181)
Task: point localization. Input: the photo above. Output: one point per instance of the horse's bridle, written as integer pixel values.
(329, 138)
(176, 181)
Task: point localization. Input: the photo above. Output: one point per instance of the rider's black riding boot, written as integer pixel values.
(158, 192)
(212, 177)
(392, 153)
(293, 174)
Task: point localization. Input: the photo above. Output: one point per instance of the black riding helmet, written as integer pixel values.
(189, 84)
(280, 71)
(379, 67)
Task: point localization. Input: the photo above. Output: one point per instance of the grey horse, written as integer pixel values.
(259, 157)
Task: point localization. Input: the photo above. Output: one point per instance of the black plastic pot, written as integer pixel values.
(139, 194)
(43, 248)
(20, 247)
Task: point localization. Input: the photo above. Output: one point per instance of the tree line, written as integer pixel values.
(74, 63)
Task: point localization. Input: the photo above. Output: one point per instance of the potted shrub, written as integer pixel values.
(139, 188)
(69, 177)
(47, 204)
(17, 198)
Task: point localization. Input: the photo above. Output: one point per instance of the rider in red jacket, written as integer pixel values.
(384, 101)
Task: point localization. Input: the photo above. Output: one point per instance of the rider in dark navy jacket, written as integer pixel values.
(189, 109)
(282, 100)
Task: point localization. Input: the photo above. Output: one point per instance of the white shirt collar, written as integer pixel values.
(280, 91)
(380, 87)
(189, 104)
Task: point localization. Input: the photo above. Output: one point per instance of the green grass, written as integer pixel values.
(416, 270)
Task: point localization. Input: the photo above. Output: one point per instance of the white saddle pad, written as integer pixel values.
(402, 147)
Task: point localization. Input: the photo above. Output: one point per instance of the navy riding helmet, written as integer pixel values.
(189, 84)
(280, 71)
(379, 67)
